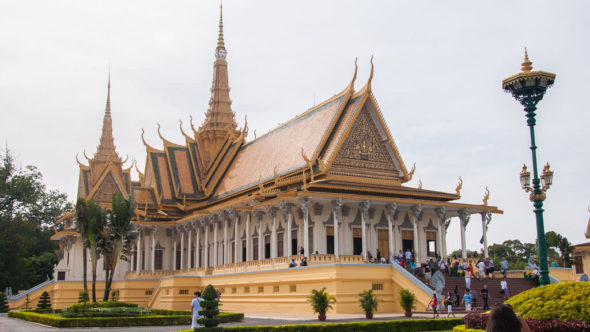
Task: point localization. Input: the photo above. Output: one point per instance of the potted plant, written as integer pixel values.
(407, 301)
(321, 301)
(368, 302)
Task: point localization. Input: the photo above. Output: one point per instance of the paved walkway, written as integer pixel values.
(259, 318)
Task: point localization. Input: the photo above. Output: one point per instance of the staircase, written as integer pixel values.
(515, 286)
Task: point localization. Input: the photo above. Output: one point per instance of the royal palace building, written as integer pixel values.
(219, 209)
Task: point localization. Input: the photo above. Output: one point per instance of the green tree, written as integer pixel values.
(27, 221)
(209, 307)
(44, 302)
(3, 303)
(118, 237)
(96, 228)
(556, 240)
(82, 228)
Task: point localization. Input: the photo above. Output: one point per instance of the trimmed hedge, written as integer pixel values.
(107, 304)
(563, 301)
(462, 328)
(58, 321)
(162, 317)
(440, 324)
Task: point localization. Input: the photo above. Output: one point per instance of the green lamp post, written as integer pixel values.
(529, 87)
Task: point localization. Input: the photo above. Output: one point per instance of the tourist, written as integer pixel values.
(292, 264)
(473, 299)
(400, 255)
(369, 256)
(427, 274)
(449, 303)
(504, 319)
(467, 300)
(434, 304)
(467, 279)
(484, 295)
(504, 266)
(442, 266)
(301, 251)
(536, 275)
(504, 288)
(383, 260)
(195, 307)
(408, 255)
(303, 262)
(481, 266)
(471, 270)
(456, 291)
(378, 255)
(491, 268)
(413, 267)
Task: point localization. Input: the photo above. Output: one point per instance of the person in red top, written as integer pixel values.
(434, 303)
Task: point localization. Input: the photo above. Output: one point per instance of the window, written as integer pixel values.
(246, 289)
(292, 288)
(183, 292)
(260, 289)
(149, 291)
(234, 290)
(275, 288)
(377, 287)
(61, 275)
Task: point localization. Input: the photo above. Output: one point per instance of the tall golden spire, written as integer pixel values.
(527, 65)
(219, 118)
(106, 148)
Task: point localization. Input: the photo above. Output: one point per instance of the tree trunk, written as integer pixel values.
(84, 266)
(93, 283)
(107, 274)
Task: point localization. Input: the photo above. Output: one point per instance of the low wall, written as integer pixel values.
(274, 290)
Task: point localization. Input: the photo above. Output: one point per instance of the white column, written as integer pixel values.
(248, 238)
(197, 227)
(391, 208)
(272, 212)
(181, 248)
(337, 209)
(225, 248)
(364, 208)
(305, 208)
(189, 234)
(215, 239)
(138, 256)
(236, 238)
(464, 218)
(175, 247)
(206, 246)
(286, 208)
(416, 211)
(486, 218)
(154, 229)
(260, 214)
(441, 214)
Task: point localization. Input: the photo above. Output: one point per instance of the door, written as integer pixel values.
(330, 240)
(357, 241)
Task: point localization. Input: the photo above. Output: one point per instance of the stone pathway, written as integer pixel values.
(17, 325)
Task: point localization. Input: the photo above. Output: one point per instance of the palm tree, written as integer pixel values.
(96, 226)
(321, 302)
(118, 238)
(82, 228)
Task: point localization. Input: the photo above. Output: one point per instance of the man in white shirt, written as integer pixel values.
(504, 287)
(481, 266)
(408, 255)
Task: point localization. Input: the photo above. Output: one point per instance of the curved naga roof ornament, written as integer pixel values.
(486, 196)
(78, 161)
(459, 186)
(182, 130)
(411, 174)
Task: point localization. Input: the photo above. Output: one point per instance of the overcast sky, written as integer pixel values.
(438, 72)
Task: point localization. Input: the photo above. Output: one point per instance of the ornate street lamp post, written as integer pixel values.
(528, 87)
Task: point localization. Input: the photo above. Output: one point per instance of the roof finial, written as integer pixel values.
(371, 74)
(351, 85)
(108, 107)
(220, 43)
(527, 64)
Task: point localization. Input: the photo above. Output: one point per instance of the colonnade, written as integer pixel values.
(211, 249)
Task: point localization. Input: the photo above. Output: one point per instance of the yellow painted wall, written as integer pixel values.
(271, 291)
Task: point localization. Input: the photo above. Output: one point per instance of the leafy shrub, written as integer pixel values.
(44, 303)
(410, 325)
(368, 301)
(564, 301)
(209, 307)
(407, 299)
(58, 321)
(110, 312)
(320, 301)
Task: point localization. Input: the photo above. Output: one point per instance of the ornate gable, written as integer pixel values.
(106, 188)
(364, 153)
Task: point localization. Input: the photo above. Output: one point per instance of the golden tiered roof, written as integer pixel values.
(340, 147)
